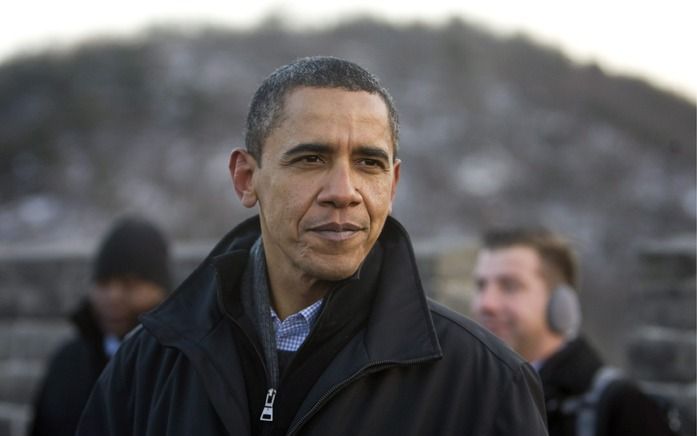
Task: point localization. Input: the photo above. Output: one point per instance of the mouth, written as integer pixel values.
(117, 321)
(336, 231)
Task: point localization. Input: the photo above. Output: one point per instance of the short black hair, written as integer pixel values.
(317, 72)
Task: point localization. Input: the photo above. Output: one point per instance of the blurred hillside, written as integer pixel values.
(494, 132)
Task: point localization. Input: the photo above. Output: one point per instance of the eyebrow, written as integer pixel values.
(363, 150)
(373, 152)
(306, 148)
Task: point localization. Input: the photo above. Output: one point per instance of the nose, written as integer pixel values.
(339, 189)
(114, 297)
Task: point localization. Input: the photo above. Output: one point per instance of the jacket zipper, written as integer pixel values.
(368, 369)
(267, 410)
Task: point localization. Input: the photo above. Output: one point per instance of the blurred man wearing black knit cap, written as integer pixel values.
(130, 275)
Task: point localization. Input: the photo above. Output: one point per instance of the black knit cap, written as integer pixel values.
(135, 248)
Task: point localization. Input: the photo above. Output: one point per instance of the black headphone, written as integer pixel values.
(564, 311)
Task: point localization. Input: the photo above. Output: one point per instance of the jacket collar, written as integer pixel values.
(192, 311)
(570, 370)
(85, 320)
(399, 329)
(399, 326)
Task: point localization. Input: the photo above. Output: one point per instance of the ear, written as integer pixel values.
(242, 167)
(395, 180)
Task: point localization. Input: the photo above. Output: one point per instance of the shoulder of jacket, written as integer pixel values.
(466, 336)
(138, 362)
(139, 345)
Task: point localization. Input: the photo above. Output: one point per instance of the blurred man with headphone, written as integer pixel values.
(525, 281)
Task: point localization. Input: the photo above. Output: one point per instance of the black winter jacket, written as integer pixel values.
(415, 368)
(72, 372)
(623, 410)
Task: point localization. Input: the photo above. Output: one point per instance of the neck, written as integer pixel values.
(290, 295)
(290, 290)
(543, 349)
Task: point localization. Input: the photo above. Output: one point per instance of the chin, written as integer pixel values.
(335, 274)
(333, 269)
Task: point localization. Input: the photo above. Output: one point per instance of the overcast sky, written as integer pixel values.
(650, 39)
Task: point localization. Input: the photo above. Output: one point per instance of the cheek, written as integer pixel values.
(274, 204)
(144, 296)
(101, 302)
(284, 198)
(517, 309)
(511, 311)
(99, 308)
(533, 313)
(145, 302)
(378, 200)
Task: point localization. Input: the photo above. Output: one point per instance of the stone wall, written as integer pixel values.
(661, 351)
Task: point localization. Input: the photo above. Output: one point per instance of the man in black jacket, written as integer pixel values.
(130, 275)
(310, 318)
(525, 281)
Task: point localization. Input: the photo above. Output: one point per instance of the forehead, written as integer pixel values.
(310, 102)
(515, 260)
(319, 110)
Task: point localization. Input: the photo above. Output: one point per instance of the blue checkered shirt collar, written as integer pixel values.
(292, 331)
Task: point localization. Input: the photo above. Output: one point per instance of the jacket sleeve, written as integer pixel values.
(521, 410)
(631, 412)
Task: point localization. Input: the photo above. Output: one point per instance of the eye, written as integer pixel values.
(510, 286)
(372, 163)
(308, 159)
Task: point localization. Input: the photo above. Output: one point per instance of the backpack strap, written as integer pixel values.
(585, 406)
